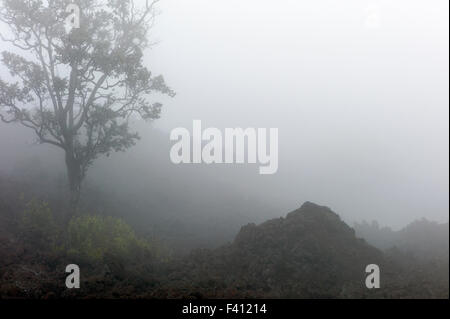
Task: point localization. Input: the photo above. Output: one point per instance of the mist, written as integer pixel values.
(362, 109)
(359, 93)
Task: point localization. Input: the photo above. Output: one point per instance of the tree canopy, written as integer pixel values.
(78, 88)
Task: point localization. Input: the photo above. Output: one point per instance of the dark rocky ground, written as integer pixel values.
(310, 253)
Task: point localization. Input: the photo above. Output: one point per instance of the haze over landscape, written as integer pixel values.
(359, 92)
(362, 110)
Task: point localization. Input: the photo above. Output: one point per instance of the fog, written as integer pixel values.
(357, 89)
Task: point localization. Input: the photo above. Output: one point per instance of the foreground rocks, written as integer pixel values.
(310, 253)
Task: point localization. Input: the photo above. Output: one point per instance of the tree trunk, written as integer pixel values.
(75, 178)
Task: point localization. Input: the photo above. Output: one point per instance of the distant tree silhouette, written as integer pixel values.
(77, 88)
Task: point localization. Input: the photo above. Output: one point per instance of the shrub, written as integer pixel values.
(91, 237)
(38, 226)
(87, 238)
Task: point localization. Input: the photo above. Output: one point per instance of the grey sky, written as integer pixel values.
(358, 90)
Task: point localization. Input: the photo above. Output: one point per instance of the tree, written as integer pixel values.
(78, 88)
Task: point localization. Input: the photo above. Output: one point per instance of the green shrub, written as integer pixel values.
(91, 237)
(87, 238)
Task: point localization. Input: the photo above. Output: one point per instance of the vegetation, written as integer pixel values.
(91, 237)
(311, 253)
(77, 89)
(87, 238)
(37, 224)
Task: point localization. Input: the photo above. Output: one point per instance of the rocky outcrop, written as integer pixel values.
(311, 253)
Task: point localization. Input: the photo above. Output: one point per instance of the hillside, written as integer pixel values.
(310, 253)
(423, 239)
